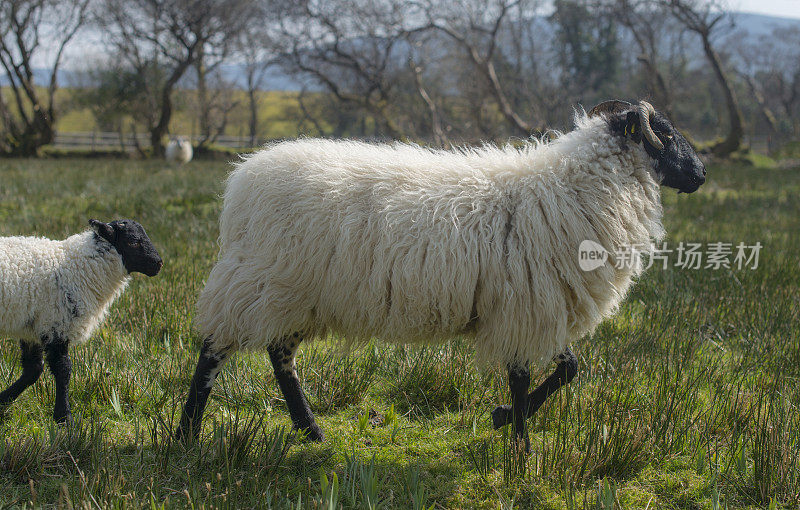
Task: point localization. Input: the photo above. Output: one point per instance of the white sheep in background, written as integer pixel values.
(53, 293)
(409, 244)
(179, 151)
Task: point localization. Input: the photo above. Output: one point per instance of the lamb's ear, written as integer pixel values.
(610, 107)
(104, 230)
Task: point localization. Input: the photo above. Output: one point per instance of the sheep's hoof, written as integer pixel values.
(313, 433)
(63, 420)
(522, 441)
(501, 416)
(186, 438)
(180, 436)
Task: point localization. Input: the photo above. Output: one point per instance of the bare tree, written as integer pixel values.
(114, 94)
(171, 35)
(704, 18)
(649, 26)
(477, 28)
(255, 47)
(439, 136)
(775, 70)
(352, 49)
(28, 28)
(785, 74)
(215, 101)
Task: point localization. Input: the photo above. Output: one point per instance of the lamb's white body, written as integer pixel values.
(408, 244)
(57, 288)
(179, 151)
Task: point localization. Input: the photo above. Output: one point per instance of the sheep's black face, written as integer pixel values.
(131, 242)
(677, 164)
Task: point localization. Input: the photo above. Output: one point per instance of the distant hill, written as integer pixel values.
(754, 25)
(758, 25)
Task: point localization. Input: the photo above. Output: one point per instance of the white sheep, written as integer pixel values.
(179, 151)
(53, 293)
(409, 244)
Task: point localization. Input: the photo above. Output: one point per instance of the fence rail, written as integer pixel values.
(99, 140)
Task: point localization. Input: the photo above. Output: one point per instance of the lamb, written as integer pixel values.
(409, 244)
(179, 151)
(53, 293)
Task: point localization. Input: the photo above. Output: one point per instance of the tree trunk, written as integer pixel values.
(202, 101)
(38, 133)
(159, 131)
(766, 112)
(253, 124)
(733, 141)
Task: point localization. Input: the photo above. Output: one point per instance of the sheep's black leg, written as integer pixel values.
(61, 367)
(208, 366)
(282, 356)
(32, 367)
(565, 371)
(519, 380)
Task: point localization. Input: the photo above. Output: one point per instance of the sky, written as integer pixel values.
(783, 8)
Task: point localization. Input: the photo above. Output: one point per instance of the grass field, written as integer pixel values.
(688, 398)
(278, 114)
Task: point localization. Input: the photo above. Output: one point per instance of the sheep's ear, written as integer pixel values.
(104, 230)
(633, 127)
(610, 107)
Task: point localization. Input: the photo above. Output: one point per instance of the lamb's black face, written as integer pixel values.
(130, 240)
(677, 164)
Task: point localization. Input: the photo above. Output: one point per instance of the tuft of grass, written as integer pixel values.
(335, 380)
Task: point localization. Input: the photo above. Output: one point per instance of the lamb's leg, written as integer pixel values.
(565, 371)
(208, 367)
(61, 367)
(519, 380)
(32, 367)
(282, 356)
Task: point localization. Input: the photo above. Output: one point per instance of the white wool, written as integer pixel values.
(409, 244)
(59, 288)
(179, 151)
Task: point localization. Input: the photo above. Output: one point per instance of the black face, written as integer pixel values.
(131, 242)
(677, 164)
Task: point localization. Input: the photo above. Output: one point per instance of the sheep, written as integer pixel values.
(179, 151)
(54, 293)
(414, 245)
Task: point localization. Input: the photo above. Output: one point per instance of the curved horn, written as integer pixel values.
(613, 106)
(646, 112)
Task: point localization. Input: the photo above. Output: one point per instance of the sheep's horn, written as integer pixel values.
(610, 107)
(646, 112)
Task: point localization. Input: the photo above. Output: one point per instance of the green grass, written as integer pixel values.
(278, 113)
(688, 398)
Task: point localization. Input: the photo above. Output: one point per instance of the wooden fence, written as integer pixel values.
(98, 140)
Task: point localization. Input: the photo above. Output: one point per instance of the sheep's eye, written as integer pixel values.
(134, 244)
